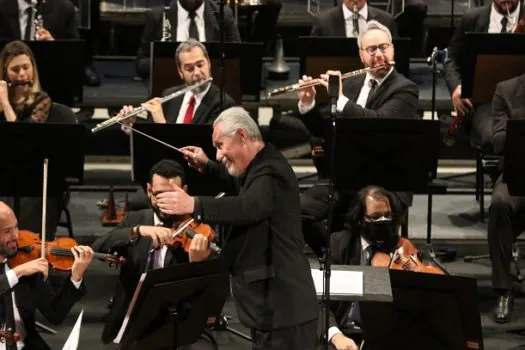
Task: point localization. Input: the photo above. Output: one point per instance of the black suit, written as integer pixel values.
(33, 293)
(58, 15)
(207, 111)
(396, 97)
(332, 22)
(476, 20)
(153, 30)
(271, 278)
(503, 226)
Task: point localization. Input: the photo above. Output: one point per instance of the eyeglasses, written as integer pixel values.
(379, 216)
(371, 50)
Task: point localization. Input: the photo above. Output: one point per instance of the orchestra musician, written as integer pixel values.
(25, 102)
(185, 19)
(141, 238)
(263, 250)
(383, 93)
(504, 222)
(194, 107)
(340, 20)
(500, 16)
(25, 288)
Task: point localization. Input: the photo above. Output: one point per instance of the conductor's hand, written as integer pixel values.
(307, 94)
(461, 105)
(175, 202)
(154, 106)
(341, 342)
(83, 257)
(158, 235)
(29, 268)
(128, 121)
(199, 250)
(196, 157)
(325, 77)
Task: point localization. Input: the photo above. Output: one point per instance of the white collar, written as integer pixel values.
(183, 15)
(379, 80)
(495, 16)
(363, 13)
(22, 6)
(364, 244)
(156, 220)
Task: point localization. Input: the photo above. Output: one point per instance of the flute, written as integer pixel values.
(118, 118)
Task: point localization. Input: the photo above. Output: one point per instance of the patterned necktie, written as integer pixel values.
(355, 314)
(504, 22)
(193, 32)
(189, 110)
(371, 93)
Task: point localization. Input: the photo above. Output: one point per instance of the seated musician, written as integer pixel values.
(383, 93)
(141, 238)
(371, 206)
(185, 19)
(197, 107)
(21, 102)
(27, 288)
(500, 16)
(503, 226)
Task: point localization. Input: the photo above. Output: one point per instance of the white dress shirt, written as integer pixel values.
(349, 20)
(23, 17)
(12, 279)
(185, 103)
(496, 17)
(335, 330)
(183, 23)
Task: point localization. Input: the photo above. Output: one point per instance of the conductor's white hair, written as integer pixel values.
(374, 25)
(235, 118)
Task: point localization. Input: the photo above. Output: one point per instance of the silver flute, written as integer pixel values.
(118, 118)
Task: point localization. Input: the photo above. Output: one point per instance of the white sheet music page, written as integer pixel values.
(72, 340)
(130, 309)
(341, 282)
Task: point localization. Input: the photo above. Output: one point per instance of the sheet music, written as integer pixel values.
(72, 340)
(130, 308)
(341, 282)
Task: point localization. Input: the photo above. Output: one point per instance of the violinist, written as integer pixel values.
(25, 288)
(270, 276)
(24, 100)
(141, 238)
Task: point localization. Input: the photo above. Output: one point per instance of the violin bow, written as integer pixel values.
(44, 207)
(188, 222)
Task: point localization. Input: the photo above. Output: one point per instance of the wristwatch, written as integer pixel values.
(135, 233)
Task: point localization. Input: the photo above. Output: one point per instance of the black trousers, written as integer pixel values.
(302, 336)
(481, 127)
(503, 226)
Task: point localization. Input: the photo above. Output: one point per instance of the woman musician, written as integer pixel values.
(21, 97)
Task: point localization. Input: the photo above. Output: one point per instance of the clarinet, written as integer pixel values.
(166, 26)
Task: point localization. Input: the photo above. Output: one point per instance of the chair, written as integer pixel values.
(61, 114)
(486, 163)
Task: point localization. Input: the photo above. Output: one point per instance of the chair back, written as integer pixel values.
(61, 114)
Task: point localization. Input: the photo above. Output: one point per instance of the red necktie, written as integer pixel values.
(189, 110)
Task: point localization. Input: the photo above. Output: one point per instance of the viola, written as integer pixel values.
(58, 252)
(405, 257)
(184, 231)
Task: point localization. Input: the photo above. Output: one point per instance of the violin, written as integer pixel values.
(405, 257)
(57, 253)
(186, 229)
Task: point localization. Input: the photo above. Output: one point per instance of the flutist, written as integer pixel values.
(381, 93)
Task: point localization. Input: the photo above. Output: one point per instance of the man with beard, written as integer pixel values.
(197, 19)
(141, 239)
(200, 106)
(25, 288)
(501, 16)
(383, 93)
(263, 250)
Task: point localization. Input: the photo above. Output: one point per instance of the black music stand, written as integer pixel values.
(242, 68)
(433, 311)
(397, 154)
(60, 68)
(171, 305)
(513, 165)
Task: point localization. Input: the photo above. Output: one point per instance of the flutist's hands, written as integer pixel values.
(196, 157)
(175, 202)
(154, 106)
(4, 93)
(128, 121)
(324, 78)
(306, 95)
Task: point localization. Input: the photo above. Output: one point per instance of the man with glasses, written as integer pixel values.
(382, 93)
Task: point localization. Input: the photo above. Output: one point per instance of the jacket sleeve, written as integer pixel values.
(452, 66)
(117, 237)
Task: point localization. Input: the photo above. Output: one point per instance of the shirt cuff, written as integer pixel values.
(197, 209)
(333, 331)
(341, 103)
(305, 109)
(11, 278)
(75, 283)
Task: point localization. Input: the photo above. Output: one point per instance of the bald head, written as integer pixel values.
(8, 231)
(5, 213)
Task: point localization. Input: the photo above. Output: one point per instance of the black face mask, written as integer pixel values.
(381, 234)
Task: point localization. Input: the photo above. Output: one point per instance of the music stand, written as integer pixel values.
(513, 165)
(242, 68)
(433, 311)
(60, 68)
(171, 305)
(397, 154)
(319, 54)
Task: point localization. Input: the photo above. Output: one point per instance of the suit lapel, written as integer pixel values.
(12, 15)
(204, 108)
(211, 25)
(379, 94)
(339, 23)
(147, 220)
(353, 88)
(484, 21)
(173, 18)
